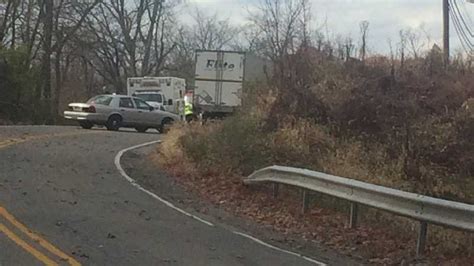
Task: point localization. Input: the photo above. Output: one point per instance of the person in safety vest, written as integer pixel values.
(188, 108)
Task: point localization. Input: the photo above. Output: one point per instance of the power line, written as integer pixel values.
(464, 38)
(461, 17)
(463, 24)
(466, 12)
(462, 35)
(464, 45)
(458, 22)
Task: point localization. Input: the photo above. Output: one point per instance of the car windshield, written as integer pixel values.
(152, 97)
(101, 99)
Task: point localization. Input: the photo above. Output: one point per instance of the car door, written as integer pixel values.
(128, 111)
(145, 115)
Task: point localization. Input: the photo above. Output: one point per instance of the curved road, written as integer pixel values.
(63, 202)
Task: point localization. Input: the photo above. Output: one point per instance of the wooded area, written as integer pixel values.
(54, 51)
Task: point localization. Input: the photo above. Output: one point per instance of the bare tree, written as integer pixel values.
(280, 26)
(340, 44)
(210, 32)
(142, 31)
(392, 59)
(246, 40)
(130, 39)
(44, 88)
(43, 28)
(402, 47)
(29, 25)
(181, 59)
(68, 19)
(305, 22)
(364, 31)
(277, 22)
(20, 24)
(319, 40)
(349, 48)
(206, 32)
(283, 37)
(415, 44)
(8, 18)
(113, 38)
(105, 51)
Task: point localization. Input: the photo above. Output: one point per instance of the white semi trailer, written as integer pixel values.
(218, 82)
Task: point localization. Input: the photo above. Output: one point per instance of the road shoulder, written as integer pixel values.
(137, 165)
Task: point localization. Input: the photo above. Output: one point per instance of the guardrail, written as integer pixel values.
(418, 207)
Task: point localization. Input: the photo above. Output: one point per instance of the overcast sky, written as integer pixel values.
(386, 17)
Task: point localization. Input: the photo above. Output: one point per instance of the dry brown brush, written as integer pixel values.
(409, 127)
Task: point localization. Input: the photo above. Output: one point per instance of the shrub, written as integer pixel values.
(233, 145)
(405, 129)
(17, 84)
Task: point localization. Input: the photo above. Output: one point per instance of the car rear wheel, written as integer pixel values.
(86, 124)
(164, 127)
(113, 123)
(141, 129)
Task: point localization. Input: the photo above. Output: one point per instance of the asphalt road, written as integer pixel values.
(63, 201)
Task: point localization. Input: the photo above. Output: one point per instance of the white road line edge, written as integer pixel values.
(279, 249)
(169, 204)
(135, 184)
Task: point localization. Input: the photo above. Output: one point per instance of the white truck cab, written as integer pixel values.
(160, 92)
(155, 99)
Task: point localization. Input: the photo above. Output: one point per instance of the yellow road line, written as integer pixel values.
(13, 141)
(7, 142)
(3, 212)
(48, 246)
(40, 256)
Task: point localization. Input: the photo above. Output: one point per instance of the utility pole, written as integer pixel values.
(446, 32)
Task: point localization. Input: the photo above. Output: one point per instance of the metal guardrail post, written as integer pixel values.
(421, 242)
(471, 249)
(471, 244)
(305, 200)
(275, 187)
(353, 215)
